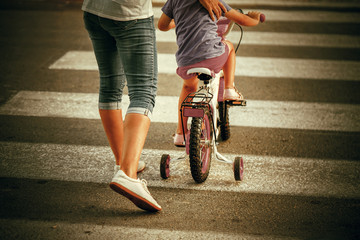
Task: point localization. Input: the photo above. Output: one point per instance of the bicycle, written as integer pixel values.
(210, 119)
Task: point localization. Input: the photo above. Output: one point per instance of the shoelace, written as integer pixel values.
(144, 183)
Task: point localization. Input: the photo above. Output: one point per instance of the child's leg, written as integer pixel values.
(229, 67)
(230, 92)
(189, 86)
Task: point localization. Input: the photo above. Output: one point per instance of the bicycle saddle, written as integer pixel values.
(203, 73)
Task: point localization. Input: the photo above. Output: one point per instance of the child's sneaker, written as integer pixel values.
(135, 190)
(179, 140)
(141, 167)
(232, 94)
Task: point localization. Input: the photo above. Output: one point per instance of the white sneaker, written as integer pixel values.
(135, 190)
(141, 167)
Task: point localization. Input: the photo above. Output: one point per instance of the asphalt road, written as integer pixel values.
(38, 205)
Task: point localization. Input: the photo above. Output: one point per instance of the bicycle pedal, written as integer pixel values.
(237, 103)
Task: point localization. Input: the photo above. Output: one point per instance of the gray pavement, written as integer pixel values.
(300, 183)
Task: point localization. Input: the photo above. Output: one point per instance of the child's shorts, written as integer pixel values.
(214, 64)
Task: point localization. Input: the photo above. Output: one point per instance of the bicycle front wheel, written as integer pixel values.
(200, 147)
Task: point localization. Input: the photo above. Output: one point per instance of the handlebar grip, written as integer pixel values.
(262, 17)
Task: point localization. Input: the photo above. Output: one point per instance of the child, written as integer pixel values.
(200, 46)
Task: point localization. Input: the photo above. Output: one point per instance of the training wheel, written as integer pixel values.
(238, 169)
(165, 166)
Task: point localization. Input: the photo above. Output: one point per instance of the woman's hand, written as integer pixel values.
(213, 7)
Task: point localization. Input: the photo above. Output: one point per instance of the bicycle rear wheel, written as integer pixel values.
(224, 121)
(200, 148)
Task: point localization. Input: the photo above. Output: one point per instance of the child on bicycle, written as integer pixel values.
(200, 46)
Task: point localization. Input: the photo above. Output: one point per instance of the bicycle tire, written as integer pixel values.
(200, 148)
(224, 121)
(165, 166)
(238, 168)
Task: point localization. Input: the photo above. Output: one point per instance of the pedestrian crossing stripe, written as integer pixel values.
(279, 39)
(263, 174)
(257, 113)
(245, 66)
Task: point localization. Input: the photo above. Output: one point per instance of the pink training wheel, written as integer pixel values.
(165, 166)
(262, 17)
(238, 166)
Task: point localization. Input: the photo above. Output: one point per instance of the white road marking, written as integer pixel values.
(263, 174)
(245, 66)
(280, 39)
(282, 68)
(298, 16)
(271, 114)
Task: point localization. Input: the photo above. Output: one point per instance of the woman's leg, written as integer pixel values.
(189, 86)
(112, 81)
(136, 127)
(113, 125)
(119, 52)
(136, 45)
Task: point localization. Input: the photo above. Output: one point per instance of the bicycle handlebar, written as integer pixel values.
(223, 31)
(262, 17)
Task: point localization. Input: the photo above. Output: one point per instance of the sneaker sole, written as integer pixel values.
(136, 199)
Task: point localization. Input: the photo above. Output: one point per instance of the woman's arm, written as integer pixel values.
(165, 23)
(250, 19)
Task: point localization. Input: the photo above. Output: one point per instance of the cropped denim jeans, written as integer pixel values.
(126, 54)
